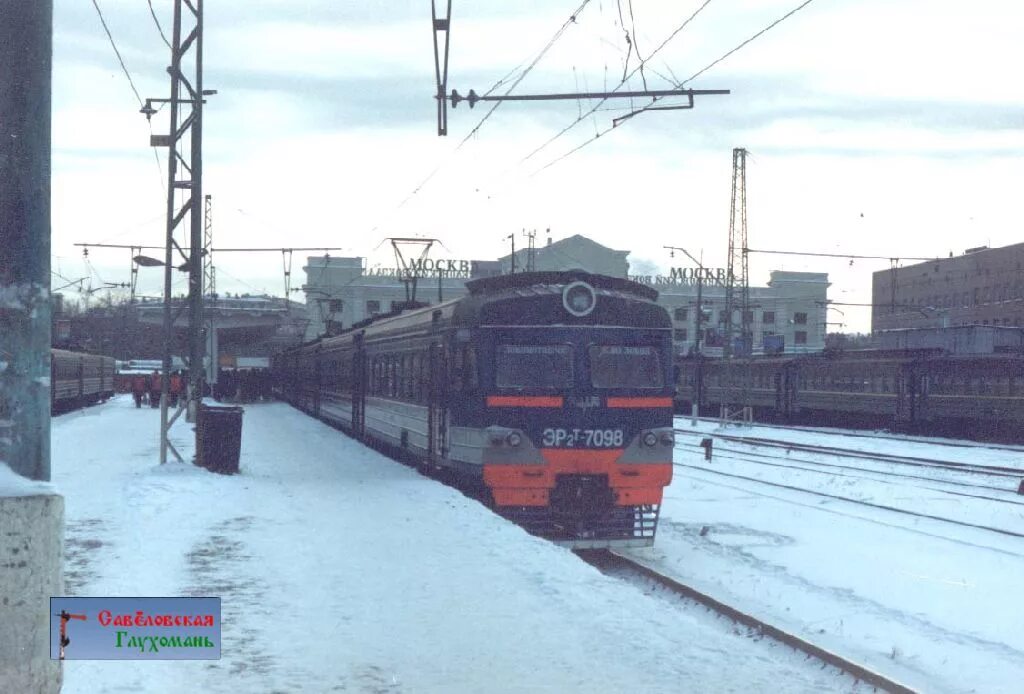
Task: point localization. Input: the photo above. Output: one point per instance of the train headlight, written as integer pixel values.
(667, 438)
(649, 438)
(578, 298)
(514, 439)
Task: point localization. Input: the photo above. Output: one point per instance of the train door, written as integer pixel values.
(906, 395)
(437, 426)
(781, 385)
(922, 381)
(359, 387)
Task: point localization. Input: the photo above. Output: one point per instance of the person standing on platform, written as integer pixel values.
(154, 389)
(176, 387)
(138, 388)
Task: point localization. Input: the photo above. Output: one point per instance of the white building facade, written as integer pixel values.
(343, 291)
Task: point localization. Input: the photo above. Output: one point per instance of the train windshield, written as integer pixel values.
(534, 366)
(618, 366)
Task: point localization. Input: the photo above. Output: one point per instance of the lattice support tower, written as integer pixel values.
(736, 319)
(737, 290)
(184, 205)
(209, 271)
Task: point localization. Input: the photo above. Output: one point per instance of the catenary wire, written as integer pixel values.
(157, 22)
(113, 45)
(131, 82)
(621, 83)
(656, 99)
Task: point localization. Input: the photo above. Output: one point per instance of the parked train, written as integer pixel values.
(78, 379)
(552, 390)
(926, 390)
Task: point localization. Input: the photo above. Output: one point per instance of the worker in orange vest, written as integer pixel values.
(177, 382)
(138, 388)
(154, 389)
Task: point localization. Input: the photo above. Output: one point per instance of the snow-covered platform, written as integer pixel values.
(341, 570)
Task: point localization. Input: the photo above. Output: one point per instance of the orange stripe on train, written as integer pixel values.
(639, 402)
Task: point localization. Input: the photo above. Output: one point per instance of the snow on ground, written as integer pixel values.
(933, 604)
(341, 570)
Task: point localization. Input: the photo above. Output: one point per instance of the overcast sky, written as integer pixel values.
(881, 128)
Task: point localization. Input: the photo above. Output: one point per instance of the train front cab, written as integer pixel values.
(578, 427)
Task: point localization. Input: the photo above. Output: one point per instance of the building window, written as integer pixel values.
(800, 337)
(679, 335)
(748, 317)
(766, 333)
(682, 314)
(372, 308)
(800, 319)
(335, 305)
(768, 317)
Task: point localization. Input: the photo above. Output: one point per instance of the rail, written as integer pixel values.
(608, 562)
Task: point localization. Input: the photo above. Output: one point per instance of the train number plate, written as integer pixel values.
(583, 438)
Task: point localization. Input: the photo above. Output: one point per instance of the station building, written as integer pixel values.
(984, 286)
(343, 291)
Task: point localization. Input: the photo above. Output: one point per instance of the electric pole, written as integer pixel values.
(737, 290)
(209, 272)
(184, 177)
(531, 248)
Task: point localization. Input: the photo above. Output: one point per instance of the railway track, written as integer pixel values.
(868, 474)
(614, 564)
(875, 434)
(913, 461)
(860, 502)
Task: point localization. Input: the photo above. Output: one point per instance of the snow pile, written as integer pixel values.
(12, 484)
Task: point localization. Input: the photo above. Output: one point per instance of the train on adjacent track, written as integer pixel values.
(924, 390)
(78, 379)
(551, 392)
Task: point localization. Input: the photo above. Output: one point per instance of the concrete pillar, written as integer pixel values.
(31, 548)
(31, 515)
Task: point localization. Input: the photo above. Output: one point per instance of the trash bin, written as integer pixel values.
(219, 438)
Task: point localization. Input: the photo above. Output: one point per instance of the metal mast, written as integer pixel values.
(737, 289)
(185, 178)
(209, 272)
(410, 269)
(531, 263)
